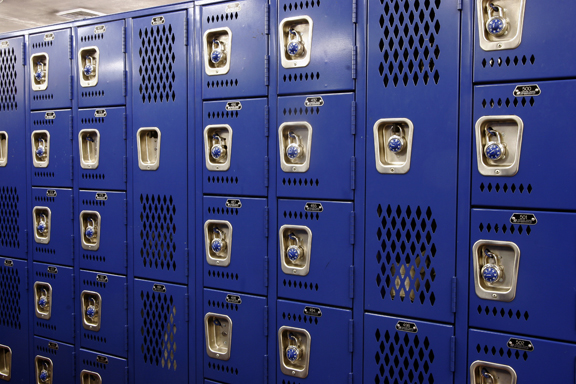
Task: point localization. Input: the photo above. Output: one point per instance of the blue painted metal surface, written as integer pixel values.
(111, 87)
(110, 124)
(247, 173)
(15, 316)
(248, 344)
(330, 175)
(110, 369)
(112, 337)
(541, 53)
(247, 245)
(60, 326)
(13, 215)
(246, 55)
(161, 337)
(538, 177)
(60, 248)
(408, 230)
(59, 170)
(332, 54)
(531, 311)
(398, 352)
(58, 46)
(493, 348)
(160, 100)
(61, 355)
(329, 280)
(111, 255)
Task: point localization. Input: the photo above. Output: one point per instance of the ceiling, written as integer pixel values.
(17, 15)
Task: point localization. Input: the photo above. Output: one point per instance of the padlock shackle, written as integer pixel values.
(495, 8)
(292, 32)
(294, 338)
(44, 292)
(292, 236)
(90, 223)
(216, 44)
(489, 255)
(294, 136)
(492, 132)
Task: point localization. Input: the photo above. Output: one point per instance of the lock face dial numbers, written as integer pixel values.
(292, 353)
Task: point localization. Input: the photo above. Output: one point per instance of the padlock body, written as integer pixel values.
(292, 353)
(491, 273)
(218, 245)
(295, 48)
(495, 151)
(294, 252)
(496, 26)
(395, 144)
(218, 152)
(293, 151)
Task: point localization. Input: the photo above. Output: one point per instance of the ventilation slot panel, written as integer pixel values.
(9, 218)
(8, 76)
(158, 247)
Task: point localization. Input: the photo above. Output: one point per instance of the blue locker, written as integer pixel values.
(160, 122)
(243, 357)
(316, 46)
(240, 127)
(13, 217)
(500, 353)
(53, 302)
(532, 308)
(100, 148)
(410, 239)
(323, 126)
(52, 361)
(51, 79)
(101, 62)
(102, 231)
(97, 368)
(51, 148)
(102, 306)
(321, 272)
(535, 182)
(323, 342)
(14, 317)
(406, 351)
(52, 225)
(528, 50)
(241, 225)
(161, 332)
(234, 49)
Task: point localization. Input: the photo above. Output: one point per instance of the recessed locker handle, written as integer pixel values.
(3, 148)
(148, 141)
(5, 363)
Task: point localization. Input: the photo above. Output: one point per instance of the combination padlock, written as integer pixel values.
(41, 149)
(487, 377)
(218, 55)
(40, 74)
(491, 272)
(294, 150)
(42, 226)
(218, 150)
(293, 352)
(494, 150)
(90, 68)
(44, 375)
(43, 299)
(90, 229)
(91, 310)
(396, 142)
(294, 251)
(497, 24)
(218, 244)
(295, 46)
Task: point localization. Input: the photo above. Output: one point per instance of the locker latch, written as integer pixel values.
(3, 148)
(43, 300)
(40, 149)
(484, 372)
(90, 228)
(496, 266)
(295, 140)
(498, 145)
(88, 60)
(393, 145)
(5, 363)
(44, 370)
(295, 35)
(294, 345)
(88, 377)
(89, 146)
(500, 23)
(39, 71)
(218, 147)
(91, 310)
(148, 141)
(218, 241)
(217, 51)
(218, 333)
(295, 249)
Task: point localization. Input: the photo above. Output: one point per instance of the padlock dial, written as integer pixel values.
(41, 227)
(43, 376)
(217, 245)
(395, 144)
(293, 151)
(89, 232)
(491, 273)
(88, 70)
(91, 311)
(292, 353)
(216, 151)
(494, 151)
(43, 302)
(495, 26)
(39, 75)
(294, 252)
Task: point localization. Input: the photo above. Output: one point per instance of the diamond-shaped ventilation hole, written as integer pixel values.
(406, 254)
(158, 329)
(9, 217)
(157, 247)
(8, 75)
(10, 310)
(157, 63)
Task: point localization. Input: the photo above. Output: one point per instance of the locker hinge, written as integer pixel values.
(71, 130)
(187, 307)
(353, 173)
(266, 170)
(265, 221)
(350, 378)
(454, 289)
(71, 95)
(26, 279)
(124, 80)
(186, 31)
(73, 364)
(125, 212)
(351, 335)
(26, 240)
(266, 120)
(265, 368)
(124, 127)
(72, 207)
(354, 61)
(71, 167)
(127, 376)
(73, 289)
(124, 39)
(72, 244)
(351, 287)
(125, 170)
(354, 11)
(265, 271)
(125, 295)
(186, 262)
(459, 7)
(352, 227)
(267, 20)
(453, 354)
(267, 70)
(70, 46)
(353, 122)
(24, 54)
(265, 321)
(73, 323)
(125, 254)
(126, 336)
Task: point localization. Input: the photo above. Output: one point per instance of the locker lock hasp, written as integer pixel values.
(294, 351)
